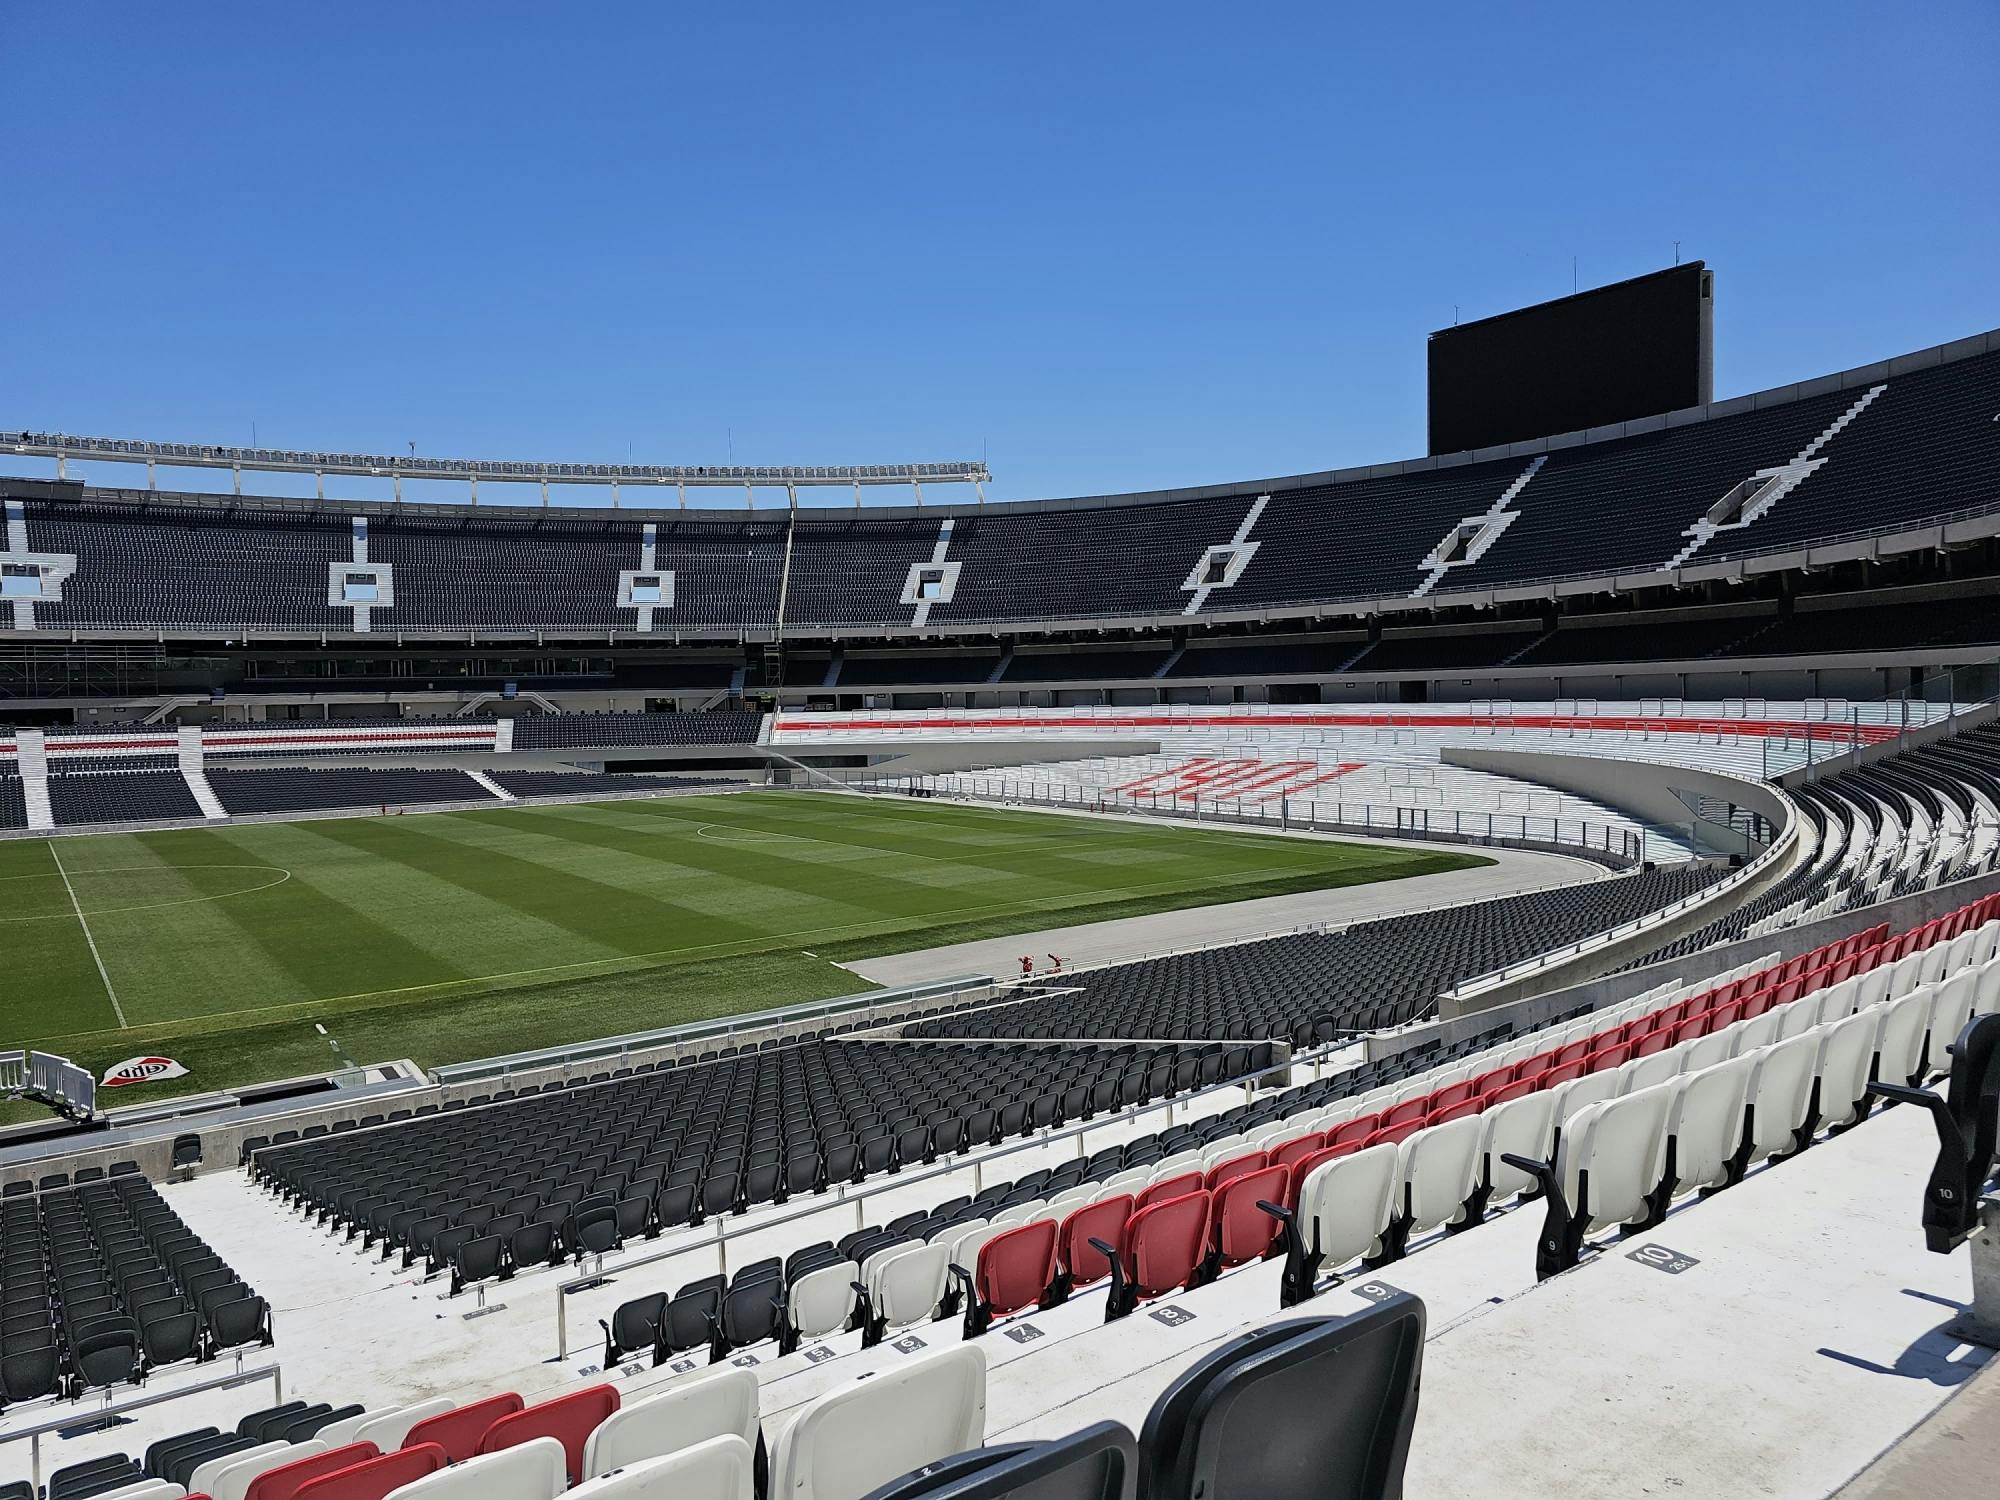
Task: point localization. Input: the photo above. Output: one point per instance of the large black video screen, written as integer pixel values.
(1632, 349)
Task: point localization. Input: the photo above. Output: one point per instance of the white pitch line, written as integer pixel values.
(96, 957)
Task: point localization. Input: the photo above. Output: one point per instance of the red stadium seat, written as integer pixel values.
(1178, 1186)
(1164, 1248)
(1390, 1135)
(1301, 1146)
(1409, 1109)
(1562, 1073)
(1514, 1090)
(1454, 1094)
(373, 1478)
(1225, 1172)
(459, 1430)
(1015, 1269)
(1104, 1220)
(569, 1419)
(1607, 1057)
(1303, 1167)
(1354, 1131)
(284, 1482)
(1573, 1052)
(1243, 1231)
(1657, 1040)
(1456, 1111)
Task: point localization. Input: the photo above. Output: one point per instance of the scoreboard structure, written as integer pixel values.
(1631, 349)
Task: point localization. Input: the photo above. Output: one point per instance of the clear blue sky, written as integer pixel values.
(1112, 247)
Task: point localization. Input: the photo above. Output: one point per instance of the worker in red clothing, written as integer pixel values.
(1027, 966)
(1057, 962)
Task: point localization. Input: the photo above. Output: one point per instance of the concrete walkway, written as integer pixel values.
(1513, 871)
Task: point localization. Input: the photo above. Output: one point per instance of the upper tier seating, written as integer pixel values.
(1313, 986)
(1923, 448)
(576, 731)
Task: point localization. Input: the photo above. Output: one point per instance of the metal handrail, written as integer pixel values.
(112, 1411)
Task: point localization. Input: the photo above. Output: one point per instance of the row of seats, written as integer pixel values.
(920, 1265)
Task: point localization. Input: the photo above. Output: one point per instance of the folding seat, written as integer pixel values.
(861, 1435)
(819, 1302)
(1518, 1127)
(1241, 1229)
(374, 1478)
(1230, 1427)
(635, 1328)
(456, 1433)
(1163, 1250)
(753, 1309)
(1644, 1072)
(1296, 1148)
(1605, 1172)
(1343, 1211)
(240, 1321)
(1227, 1171)
(904, 1287)
(1987, 990)
(569, 1419)
(1353, 1131)
(476, 1260)
(230, 1478)
(179, 1463)
(1080, 1264)
(1777, 1101)
(110, 1357)
(1899, 1047)
(1703, 1132)
(1176, 1185)
(1391, 1135)
(1015, 1270)
(1951, 1008)
(28, 1372)
(1801, 1015)
(533, 1245)
(1435, 1177)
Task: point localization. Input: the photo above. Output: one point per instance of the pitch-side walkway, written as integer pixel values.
(1512, 872)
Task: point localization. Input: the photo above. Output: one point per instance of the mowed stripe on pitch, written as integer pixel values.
(338, 926)
(48, 971)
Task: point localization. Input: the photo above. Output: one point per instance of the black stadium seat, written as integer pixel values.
(1295, 1411)
(1097, 1463)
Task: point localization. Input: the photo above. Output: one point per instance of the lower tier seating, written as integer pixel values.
(294, 790)
(120, 796)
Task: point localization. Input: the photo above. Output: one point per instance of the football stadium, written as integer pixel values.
(1461, 973)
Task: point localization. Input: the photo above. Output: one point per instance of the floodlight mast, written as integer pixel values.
(397, 467)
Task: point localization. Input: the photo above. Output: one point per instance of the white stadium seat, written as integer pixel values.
(716, 1404)
(855, 1438)
(1704, 1127)
(1950, 1010)
(534, 1470)
(723, 1468)
(1778, 1098)
(203, 1480)
(1846, 1057)
(233, 1481)
(1344, 1205)
(388, 1430)
(907, 1288)
(1438, 1171)
(1520, 1127)
(1899, 1050)
(822, 1301)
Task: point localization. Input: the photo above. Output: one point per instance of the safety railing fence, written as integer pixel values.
(1945, 695)
(846, 1199)
(114, 1412)
(13, 1071)
(1608, 843)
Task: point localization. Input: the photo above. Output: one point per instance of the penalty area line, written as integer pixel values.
(95, 957)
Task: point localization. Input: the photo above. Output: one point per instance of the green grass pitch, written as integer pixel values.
(449, 936)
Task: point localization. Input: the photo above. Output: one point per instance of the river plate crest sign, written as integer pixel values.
(142, 1070)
